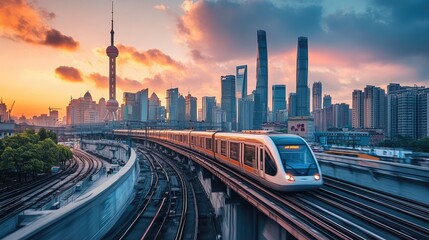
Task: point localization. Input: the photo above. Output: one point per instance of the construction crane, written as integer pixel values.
(10, 111)
(53, 109)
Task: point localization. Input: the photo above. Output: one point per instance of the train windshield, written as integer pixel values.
(297, 159)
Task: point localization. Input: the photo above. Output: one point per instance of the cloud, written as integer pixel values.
(160, 7)
(126, 84)
(69, 74)
(20, 21)
(375, 43)
(150, 58)
(234, 33)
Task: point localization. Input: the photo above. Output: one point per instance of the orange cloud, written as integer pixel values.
(21, 21)
(151, 57)
(125, 84)
(70, 74)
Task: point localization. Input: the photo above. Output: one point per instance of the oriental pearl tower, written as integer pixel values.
(112, 52)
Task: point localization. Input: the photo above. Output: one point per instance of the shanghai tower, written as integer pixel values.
(261, 96)
(302, 89)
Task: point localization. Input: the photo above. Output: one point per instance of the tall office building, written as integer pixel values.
(228, 101)
(292, 105)
(112, 52)
(129, 111)
(154, 104)
(171, 106)
(341, 115)
(374, 107)
(181, 109)
(317, 96)
(357, 109)
(245, 113)
(279, 102)
(241, 82)
(407, 112)
(208, 104)
(240, 86)
(302, 89)
(191, 108)
(142, 100)
(261, 96)
(327, 100)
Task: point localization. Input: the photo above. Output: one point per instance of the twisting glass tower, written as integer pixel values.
(112, 52)
(261, 98)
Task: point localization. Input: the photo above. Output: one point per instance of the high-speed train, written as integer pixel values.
(283, 162)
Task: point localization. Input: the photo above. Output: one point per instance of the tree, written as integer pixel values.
(43, 134)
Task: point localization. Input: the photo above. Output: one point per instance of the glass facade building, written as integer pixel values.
(302, 89)
(261, 96)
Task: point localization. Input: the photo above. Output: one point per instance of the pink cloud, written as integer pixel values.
(19, 20)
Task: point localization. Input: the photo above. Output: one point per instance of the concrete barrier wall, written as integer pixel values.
(93, 214)
(408, 181)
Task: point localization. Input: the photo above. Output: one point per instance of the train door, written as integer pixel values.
(261, 161)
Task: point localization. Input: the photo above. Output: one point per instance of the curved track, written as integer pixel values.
(38, 193)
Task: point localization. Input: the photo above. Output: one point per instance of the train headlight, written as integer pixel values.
(316, 176)
(290, 177)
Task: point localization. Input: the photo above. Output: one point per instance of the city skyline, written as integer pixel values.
(175, 44)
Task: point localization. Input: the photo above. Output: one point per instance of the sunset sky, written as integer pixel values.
(53, 50)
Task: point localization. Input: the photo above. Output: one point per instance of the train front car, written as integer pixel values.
(297, 164)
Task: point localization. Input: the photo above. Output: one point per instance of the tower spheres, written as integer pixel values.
(112, 52)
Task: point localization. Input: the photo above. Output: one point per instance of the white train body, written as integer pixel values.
(283, 162)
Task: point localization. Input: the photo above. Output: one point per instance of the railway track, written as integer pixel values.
(153, 199)
(164, 211)
(341, 211)
(36, 194)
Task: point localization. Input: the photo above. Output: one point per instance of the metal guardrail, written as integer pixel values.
(404, 170)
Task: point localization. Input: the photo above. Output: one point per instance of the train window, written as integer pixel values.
(249, 155)
(297, 159)
(234, 151)
(223, 148)
(270, 165)
(208, 143)
(193, 140)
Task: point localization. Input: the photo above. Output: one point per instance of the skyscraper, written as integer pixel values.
(279, 101)
(181, 109)
(357, 109)
(240, 86)
(374, 107)
(317, 96)
(327, 100)
(154, 104)
(292, 105)
(209, 103)
(407, 112)
(171, 108)
(261, 96)
(302, 90)
(228, 101)
(112, 52)
(245, 115)
(142, 101)
(129, 111)
(191, 108)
